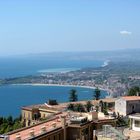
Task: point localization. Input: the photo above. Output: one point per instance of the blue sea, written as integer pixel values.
(14, 67)
(13, 97)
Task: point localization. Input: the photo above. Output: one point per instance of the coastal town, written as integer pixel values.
(69, 70)
(114, 117)
(116, 78)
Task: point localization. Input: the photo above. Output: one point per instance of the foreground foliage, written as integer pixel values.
(9, 124)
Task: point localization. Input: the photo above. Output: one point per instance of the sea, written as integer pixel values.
(13, 97)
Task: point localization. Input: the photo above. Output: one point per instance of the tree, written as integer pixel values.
(9, 124)
(79, 108)
(73, 95)
(134, 91)
(97, 94)
(105, 108)
(70, 107)
(10, 120)
(17, 125)
(88, 106)
(101, 104)
(1, 120)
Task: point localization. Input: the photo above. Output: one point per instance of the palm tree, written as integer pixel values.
(73, 95)
(97, 94)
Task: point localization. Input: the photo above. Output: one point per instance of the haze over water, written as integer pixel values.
(15, 67)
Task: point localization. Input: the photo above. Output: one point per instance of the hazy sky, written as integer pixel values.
(34, 26)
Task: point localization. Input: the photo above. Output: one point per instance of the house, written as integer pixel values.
(127, 105)
(34, 113)
(135, 121)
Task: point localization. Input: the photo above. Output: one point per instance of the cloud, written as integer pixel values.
(125, 32)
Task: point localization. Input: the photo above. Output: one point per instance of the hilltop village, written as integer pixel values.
(109, 118)
(117, 117)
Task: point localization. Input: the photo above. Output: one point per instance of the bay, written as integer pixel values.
(13, 97)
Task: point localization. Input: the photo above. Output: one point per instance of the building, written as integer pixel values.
(133, 132)
(35, 113)
(135, 121)
(127, 105)
(62, 126)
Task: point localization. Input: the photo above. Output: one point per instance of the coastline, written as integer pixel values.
(59, 85)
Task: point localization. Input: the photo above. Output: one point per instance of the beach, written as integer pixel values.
(59, 85)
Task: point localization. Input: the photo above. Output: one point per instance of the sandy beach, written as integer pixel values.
(59, 85)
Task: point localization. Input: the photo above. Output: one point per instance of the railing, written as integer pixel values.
(110, 132)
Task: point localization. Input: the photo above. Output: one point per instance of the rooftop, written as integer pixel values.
(72, 118)
(108, 100)
(41, 107)
(36, 130)
(135, 116)
(131, 98)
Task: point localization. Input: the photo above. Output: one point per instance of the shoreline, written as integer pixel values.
(59, 85)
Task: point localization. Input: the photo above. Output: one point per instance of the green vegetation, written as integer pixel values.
(105, 108)
(121, 121)
(88, 106)
(76, 107)
(97, 94)
(70, 107)
(9, 124)
(73, 96)
(79, 108)
(134, 91)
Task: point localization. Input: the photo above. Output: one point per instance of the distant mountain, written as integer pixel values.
(116, 55)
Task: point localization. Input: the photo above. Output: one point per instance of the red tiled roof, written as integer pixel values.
(25, 133)
(131, 98)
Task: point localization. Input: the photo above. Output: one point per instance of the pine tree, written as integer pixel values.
(97, 94)
(73, 95)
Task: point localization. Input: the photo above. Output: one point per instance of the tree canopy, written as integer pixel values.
(73, 95)
(88, 106)
(97, 94)
(9, 124)
(134, 91)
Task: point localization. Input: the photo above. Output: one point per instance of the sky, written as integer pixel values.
(38, 26)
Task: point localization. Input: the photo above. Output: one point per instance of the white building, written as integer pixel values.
(135, 121)
(127, 105)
